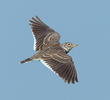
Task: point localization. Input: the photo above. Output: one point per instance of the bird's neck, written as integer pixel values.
(66, 50)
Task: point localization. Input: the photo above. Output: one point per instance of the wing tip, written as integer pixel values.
(35, 19)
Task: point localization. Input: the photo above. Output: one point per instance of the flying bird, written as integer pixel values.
(50, 52)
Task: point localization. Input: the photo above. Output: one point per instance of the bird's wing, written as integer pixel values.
(40, 32)
(61, 64)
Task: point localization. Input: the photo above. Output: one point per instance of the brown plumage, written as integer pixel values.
(51, 52)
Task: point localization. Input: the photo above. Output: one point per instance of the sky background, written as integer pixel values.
(84, 22)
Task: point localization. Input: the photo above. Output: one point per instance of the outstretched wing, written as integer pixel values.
(40, 31)
(62, 64)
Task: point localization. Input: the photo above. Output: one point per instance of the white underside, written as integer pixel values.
(34, 47)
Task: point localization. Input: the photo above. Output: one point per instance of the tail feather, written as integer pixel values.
(26, 60)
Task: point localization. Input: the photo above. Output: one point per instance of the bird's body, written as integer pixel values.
(50, 52)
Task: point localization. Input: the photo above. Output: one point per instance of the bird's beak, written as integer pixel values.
(74, 45)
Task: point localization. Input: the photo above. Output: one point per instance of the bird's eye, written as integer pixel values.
(68, 43)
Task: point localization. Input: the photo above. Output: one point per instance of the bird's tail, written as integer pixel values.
(26, 60)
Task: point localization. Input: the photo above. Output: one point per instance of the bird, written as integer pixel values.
(51, 52)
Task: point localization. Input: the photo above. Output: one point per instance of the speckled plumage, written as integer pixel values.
(51, 52)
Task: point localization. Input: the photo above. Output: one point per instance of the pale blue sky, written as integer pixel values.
(85, 22)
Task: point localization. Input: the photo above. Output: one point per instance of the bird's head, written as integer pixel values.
(67, 46)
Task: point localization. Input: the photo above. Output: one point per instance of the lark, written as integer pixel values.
(50, 52)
